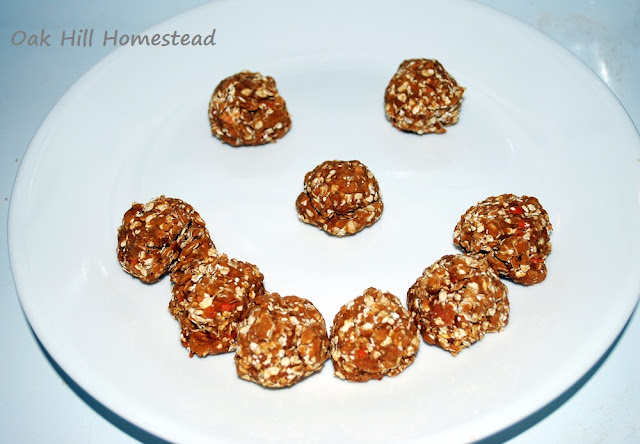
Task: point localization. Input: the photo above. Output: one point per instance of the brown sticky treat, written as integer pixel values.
(246, 109)
(457, 300)
(422, 97)
(512, 232)
(152, 234)
(209, 300)
(280, 341)
(340, 197)
(373, 336)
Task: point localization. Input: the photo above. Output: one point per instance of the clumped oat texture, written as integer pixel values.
(512, 232)
(153, 236)
(340, 197)
(280, 341)
(422, 97)
(457, 300)
(195, 245)
(209, 298)
(373, 336)
(246, 109)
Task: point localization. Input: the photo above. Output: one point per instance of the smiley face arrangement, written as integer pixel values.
(222, 305)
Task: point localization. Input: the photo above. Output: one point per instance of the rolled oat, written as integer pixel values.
(340, 197)
(373, 336)
(512, 232)
(246, 109)
(422, 97)
(280, 341)
(457, 300)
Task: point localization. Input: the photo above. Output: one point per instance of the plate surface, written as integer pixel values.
(533, 121)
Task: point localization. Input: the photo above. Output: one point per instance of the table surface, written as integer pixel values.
(39, 403)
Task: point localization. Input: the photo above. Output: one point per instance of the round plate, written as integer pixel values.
(534, 121)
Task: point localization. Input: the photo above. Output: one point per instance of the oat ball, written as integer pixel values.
(246, 109)
(373, 336)
(152, 235)
(512, 232)
(340, 197)
(422, 97)
(457, 300)
(280, 341)
(209, 300)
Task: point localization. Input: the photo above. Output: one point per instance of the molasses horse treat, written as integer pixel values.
(512, 232)
(340, 197)
(152, 235)
(373, 336)
(246, 109)
(209, 299)
(280, 341)
(422, 97)
(457, 300)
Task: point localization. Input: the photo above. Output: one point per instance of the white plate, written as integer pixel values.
(534, 121)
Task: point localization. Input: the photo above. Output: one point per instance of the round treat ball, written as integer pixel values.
(512, 232)
(246, 109)
(151, 235)
(457, 300)
(373, 336)
(280, 341)
(340, 197)
(209, 300)
(422, 97)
